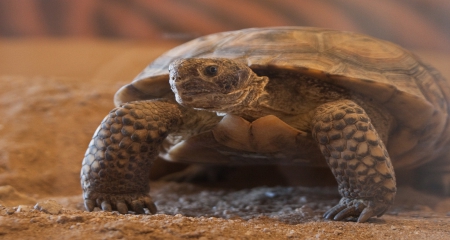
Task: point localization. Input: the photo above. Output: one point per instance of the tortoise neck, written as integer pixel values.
(251, 99)
(256, 92)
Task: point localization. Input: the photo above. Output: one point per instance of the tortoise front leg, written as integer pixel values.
(115, 171)
(358, 159)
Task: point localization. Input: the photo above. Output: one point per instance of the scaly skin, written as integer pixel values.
(115, 172)
(357, 158)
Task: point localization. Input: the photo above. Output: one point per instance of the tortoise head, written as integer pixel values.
(215, 84)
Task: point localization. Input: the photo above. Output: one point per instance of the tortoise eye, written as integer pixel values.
(211, 70)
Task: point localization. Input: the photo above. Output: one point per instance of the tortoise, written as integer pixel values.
(292, 95)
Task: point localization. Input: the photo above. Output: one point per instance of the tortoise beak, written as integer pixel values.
(181, 82)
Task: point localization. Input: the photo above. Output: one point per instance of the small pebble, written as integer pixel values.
(49, 206)
(24, 208)
(76, 218)
(303, 199)
(270, 194)
(62, 219)
(65, 219)
(305, 211)
(291, 233)
(10, 211)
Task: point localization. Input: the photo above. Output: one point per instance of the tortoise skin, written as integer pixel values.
(357, 157)
(389, 112)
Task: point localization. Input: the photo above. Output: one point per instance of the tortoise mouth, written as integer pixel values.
(205, 99)
(196, 93)
(195, 87)
(197, 101)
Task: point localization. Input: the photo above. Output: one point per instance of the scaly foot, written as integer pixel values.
(121, 202)
(362, 209)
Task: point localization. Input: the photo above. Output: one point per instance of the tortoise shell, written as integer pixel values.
(414, 93)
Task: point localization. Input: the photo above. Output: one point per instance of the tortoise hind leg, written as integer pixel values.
(358, 159)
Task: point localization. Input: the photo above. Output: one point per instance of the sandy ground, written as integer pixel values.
(53, 94)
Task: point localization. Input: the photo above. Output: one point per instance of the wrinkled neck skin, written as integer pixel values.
(291, 98)
(248, 98)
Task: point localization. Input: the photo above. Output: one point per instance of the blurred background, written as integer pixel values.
(414, 24)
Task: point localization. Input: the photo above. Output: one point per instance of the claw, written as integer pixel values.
(150, 205)
(365, 215)
(136, 202)
(347, 212)
(359, 208)
(333, 211)
(89, 205)
(122, 207)
(106, 206)
(137, 207)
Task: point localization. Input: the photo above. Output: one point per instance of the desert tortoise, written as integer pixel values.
(292, 95)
